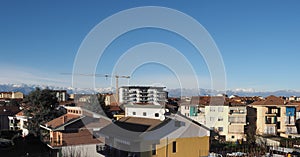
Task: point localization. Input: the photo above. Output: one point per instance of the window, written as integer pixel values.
(133, 113)
(220, 129)
(174, 147)
(156, 114)
(220, 109)
(220, 119)
(153, 149)
(187, 114)
(144, 114)
(212, 109)
(232, 137)
(187, 107)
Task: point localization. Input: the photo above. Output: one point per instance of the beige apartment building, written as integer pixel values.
(11, 95)
(275, 117)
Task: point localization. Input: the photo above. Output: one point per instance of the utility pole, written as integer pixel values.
(106, 76)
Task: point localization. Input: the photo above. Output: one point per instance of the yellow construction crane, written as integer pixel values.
(106, 76)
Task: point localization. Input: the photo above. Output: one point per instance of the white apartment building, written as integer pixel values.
(192, 110)
(217, 119)
(225, 116)
(19, 122)
(142, 94)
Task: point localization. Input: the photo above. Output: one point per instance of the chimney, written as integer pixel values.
(64, 118)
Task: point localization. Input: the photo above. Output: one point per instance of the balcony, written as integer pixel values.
(291, 130)
(236, 112)
(143, 92)
(236, 129)
(289, 120)
(273, 111)
(271, 114)
(270, 130)
(237, 119)
(270, 120)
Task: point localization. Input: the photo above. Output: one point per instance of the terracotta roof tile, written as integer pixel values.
(270, 100)
(61, 120)
(208, 100)
(81, 137)
(138, 124)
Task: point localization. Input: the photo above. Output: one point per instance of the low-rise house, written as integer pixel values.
(174, 135)
(192, 108)
(11, 95)
(144, 110)
(19, 122)
(5, 112)
(73, 133)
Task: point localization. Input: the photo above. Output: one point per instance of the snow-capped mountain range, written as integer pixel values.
(27, 88)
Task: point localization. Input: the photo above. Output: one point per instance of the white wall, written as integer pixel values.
(139, 112)
(81, 150)
(217, 116)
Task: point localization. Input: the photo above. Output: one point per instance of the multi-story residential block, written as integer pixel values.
(237, 121)
(225, 116)
(61, 95)
(110, 99)
(217, 116)
(142, 94)
(275, 117)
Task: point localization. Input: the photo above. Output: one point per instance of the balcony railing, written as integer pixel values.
(237, 112)
(291, 130)
(270, 130)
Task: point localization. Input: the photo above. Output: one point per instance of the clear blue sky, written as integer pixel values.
(259, 40)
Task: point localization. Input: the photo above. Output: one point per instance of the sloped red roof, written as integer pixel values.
(81, 137)
(61, 120)
(270, 100)
(21, 113)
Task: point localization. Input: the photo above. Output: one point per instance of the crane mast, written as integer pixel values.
(106, 76)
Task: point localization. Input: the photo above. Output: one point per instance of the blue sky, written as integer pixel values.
(259, 41)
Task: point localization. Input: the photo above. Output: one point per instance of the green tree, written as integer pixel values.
(14, 102)
(41, 108)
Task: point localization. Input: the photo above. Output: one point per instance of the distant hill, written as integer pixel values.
(25, 88)
(239, 92)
